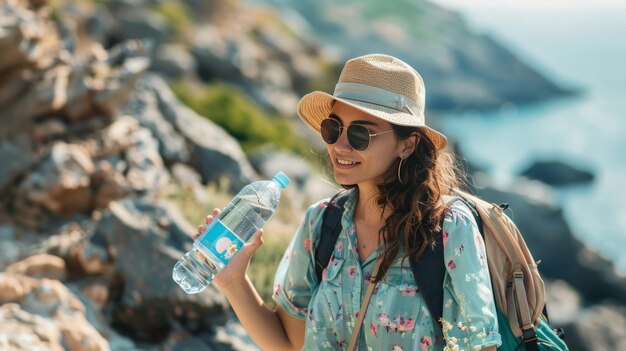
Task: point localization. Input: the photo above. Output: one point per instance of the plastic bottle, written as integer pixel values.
(229, 231)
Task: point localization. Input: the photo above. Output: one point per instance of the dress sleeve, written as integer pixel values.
(472, 321)
(295, 279)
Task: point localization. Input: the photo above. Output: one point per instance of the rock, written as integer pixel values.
(174, 62)
(231, 54)
(223, 56)
(551, 241)
(99, 25)
(143, 167)
(40, 266)
(10, 248)
(61, 183)
(146, 240)
(28, 37)
(114, 91)
(47, 315)
(188, 177)
(25, 331)
(598, 328)
(109, 182)
(78, 334)
(213, 152)
(56, 82)
(16, 159)
(144, 105)
(557, 173)
(138, 23)
(90, 259)
(12, 289)
(146, 173)
(48, 130)
(563, 303)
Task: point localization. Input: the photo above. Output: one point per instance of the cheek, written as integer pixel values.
(381, 162)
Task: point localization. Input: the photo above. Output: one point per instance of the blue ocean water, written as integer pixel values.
(575, 43)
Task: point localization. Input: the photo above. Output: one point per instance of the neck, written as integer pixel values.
(367, 210)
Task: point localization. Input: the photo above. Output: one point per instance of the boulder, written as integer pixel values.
(563, 302)
(40, 266)
(174, 61)
(10, 246)
(16, 159)
(22, 331)
(551, 241)
(598, 328)
(189, 178)
(61, 182)
(144, 105)
(45, 314)
(140, 23)
(145, 241)
(557, 173)
(132, 148)
(233, 55)
(214, 154)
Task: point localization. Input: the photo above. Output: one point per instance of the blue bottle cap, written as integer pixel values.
(282, 179)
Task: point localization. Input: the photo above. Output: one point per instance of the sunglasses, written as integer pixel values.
(358, 135)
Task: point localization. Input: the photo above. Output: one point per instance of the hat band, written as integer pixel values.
(378, 96)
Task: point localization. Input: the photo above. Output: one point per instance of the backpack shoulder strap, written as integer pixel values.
(429, 270)
(331, 227)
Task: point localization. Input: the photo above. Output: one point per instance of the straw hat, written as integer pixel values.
(380, 85)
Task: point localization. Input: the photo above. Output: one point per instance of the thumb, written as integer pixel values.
(257, 240)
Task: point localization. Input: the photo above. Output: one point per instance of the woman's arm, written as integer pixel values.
(269, 329)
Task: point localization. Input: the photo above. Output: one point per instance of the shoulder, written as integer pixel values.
(458, 213)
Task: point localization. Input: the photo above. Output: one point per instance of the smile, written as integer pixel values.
(346, 162)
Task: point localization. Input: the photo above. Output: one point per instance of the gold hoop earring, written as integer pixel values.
(399, 168)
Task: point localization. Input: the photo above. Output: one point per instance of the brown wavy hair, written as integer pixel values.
(416, 202)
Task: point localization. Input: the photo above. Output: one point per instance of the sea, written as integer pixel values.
(578, 44)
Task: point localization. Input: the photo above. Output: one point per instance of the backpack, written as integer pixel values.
(519, 291)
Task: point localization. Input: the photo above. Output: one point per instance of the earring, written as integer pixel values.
(399, 168)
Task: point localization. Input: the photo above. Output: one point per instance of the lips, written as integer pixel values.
(343, 163)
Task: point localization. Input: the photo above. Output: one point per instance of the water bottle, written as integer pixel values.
(229, 231)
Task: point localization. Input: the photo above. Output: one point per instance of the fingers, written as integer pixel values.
(201, 229)
(207, 220)
(255, 242)
(210, 217)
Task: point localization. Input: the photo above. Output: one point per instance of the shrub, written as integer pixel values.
(240, 117)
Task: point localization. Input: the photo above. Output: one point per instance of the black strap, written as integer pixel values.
(429, 272)
(430, 269)
(331, 227)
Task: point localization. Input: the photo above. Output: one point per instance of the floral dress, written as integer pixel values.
(397, 317)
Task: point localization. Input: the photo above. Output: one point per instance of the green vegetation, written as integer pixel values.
(240, 117)
(176, 16)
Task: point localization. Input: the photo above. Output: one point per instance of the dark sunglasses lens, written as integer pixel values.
(330, 129)
(359, 137)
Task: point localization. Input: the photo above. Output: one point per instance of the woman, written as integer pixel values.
(399, 177)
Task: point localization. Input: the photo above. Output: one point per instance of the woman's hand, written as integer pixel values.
(235, 270)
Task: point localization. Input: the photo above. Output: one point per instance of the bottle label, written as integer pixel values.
(221, 241)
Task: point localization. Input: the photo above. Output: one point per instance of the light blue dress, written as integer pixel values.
(397, 317)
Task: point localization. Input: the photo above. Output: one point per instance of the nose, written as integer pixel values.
(342, 144)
